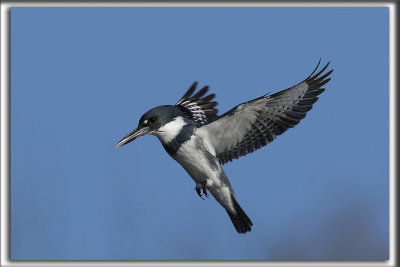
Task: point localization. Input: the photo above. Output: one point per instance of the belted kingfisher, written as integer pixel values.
(201, 141)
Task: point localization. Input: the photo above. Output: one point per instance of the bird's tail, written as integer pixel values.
(240, 220)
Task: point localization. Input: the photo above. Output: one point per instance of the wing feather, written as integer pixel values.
(254, 124)
(196, 108)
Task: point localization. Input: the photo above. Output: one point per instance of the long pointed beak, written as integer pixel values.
(132, 136)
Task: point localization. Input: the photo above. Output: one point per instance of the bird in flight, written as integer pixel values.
(201, 141)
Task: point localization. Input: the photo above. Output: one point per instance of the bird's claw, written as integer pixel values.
(204, 189)
(205, 192)
(199, 193)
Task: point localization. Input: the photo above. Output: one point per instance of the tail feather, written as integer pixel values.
(240, 220)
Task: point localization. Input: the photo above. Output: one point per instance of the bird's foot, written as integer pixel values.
(199, 193)
(205, 192)
(202, 188)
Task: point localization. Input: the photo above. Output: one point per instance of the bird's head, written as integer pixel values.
(152, 123)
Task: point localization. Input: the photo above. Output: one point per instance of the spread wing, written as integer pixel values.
(197, 108)
(252, 125)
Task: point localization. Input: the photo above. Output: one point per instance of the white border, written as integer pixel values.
(5, 137)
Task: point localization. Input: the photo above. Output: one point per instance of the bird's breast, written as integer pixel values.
(197, 160)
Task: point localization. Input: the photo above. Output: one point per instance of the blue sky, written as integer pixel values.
(82, 77)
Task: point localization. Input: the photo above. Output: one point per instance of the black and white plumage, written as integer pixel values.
(197, 108)
(201, 141)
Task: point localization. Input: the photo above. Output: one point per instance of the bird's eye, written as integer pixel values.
(153, 119)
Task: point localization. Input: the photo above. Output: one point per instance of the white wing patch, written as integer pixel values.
(197, 113)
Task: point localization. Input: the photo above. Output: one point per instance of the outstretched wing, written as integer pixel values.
(197, 108)
(252, 125)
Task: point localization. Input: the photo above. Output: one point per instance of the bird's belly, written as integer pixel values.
(201, 165)
(205, 170)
